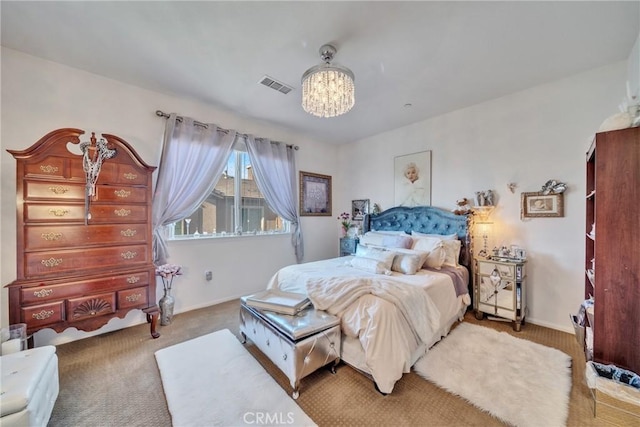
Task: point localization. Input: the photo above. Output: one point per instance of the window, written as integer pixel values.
(235, 206)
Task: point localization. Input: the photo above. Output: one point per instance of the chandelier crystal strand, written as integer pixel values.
(328, 90)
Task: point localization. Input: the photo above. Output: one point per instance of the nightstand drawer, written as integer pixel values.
(348, 246)
(506, 271)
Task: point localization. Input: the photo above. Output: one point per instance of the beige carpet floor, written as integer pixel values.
(113, 380)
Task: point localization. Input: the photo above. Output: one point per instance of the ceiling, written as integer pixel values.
(436, 56)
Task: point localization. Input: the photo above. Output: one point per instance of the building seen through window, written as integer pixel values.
(235, 206)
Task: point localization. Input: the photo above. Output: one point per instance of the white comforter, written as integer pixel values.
(387, 314)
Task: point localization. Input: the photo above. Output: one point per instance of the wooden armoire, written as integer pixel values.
(82, 259)
(612, 261)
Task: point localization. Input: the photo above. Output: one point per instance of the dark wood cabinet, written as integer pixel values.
(81, 261)
(612, 243)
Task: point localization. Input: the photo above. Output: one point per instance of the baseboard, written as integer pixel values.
(568, 329)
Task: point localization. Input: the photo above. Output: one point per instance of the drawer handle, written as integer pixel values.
(128, 232)
(254, 331)
(267, 343)
(130, 176)
(48, 168)
(128, 255)
(133, 298)
(51, 236)
(122, 193)
(331, 344)
(59, 212)
(133, 279)
(284, 356)
(51, 262)
(42, 293)
(44, 314)
(58, 189)
(122, 212)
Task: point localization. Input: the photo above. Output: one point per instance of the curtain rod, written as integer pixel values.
(204, 125)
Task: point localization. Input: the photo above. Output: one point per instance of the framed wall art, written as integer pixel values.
(541, 205)
(359, 208)
(412, 179)
(315, 194)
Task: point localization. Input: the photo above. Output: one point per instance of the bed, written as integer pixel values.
(392, 312)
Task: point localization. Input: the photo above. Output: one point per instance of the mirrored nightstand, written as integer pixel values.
(348, 245)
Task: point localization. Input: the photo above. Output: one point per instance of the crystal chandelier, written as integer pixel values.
(328, 90)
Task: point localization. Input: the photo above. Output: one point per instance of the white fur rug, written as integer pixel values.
(213, 380)
(515, 380)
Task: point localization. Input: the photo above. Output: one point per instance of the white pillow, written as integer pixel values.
(440, 236)
(370, 265)
(407, 263)
(391, 232)
(422, 255)
(452, 252)
(397, 241)
(376, 237)
(382, 255)
(435, 247)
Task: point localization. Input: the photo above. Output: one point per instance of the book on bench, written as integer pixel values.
(278, 301)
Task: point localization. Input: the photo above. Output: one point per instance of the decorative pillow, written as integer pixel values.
(376, 238)
(452, 252)
(440, 236)
(422, 255)
(370, 265)
(435, 247)
(397, 241)
(382, 255)
(406, 263)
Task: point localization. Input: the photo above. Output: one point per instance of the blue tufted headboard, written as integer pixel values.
(424, 219)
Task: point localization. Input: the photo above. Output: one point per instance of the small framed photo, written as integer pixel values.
(541, 205)
(315, 194)
(359, 208)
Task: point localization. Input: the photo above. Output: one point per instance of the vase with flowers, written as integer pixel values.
(345, 222)
(167, 273)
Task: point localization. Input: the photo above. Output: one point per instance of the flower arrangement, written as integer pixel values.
(345, 220)
(167, 272)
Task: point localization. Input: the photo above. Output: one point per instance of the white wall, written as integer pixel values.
(39, 96)
(528, 138)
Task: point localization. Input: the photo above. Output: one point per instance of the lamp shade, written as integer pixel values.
(483, 213)
(328, 90)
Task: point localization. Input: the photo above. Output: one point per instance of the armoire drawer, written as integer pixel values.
(130, 298)
(120, 193)
(49, 167)
(91, 306)
(99, 212)
(120, 173)
(44, 314)
(49, 212)
(45, 293)
(39, 264)
(64, 236)
(53, 190)
(117, 213)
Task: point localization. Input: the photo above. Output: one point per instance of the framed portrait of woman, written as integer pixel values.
(412, 179)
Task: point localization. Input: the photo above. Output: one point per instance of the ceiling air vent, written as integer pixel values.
(275, 85)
